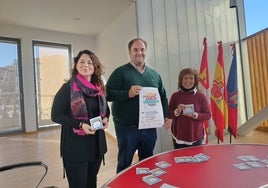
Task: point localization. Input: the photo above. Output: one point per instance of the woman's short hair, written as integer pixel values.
(185, 71)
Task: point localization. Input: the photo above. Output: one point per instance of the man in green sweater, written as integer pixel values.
(123, 87)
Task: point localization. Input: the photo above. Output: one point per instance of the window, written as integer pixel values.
(52, 68)
(11, 96)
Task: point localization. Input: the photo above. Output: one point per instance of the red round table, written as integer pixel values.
(217, 172)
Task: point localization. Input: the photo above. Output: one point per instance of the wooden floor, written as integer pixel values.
(44, 146)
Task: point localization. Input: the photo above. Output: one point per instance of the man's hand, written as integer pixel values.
(134, 91)
(167, 123)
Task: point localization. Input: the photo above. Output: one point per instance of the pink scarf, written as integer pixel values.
(79, 86)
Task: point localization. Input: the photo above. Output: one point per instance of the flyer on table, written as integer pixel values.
(151, 112)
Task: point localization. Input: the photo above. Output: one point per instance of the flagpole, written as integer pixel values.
(218, 136)
(230, 131)
(233, 4)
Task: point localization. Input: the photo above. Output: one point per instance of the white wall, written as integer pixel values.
(27, 35)
(174, 30)
(112, 44)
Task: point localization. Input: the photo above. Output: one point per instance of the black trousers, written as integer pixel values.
(82, 174)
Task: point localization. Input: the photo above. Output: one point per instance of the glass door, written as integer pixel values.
(11, 96)
(52, 68)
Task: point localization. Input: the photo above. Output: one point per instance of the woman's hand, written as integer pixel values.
(88, 129)
(180, 108)
(193, 115)
(105, 123)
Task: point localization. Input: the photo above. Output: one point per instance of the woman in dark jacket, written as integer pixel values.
(83, 141)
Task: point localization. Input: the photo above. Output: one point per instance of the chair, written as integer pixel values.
(27, 164)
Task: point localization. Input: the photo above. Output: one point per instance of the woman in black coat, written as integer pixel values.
(78, 101)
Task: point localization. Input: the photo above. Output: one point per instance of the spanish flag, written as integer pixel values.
(218, 96)
(204, 80)
(232, 95)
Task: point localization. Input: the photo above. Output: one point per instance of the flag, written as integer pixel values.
(204, 80)
(219, 95)
(232, 95)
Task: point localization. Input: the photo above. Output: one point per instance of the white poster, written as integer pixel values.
(151, 112)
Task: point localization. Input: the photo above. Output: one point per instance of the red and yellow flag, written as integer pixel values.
(218, 96)
(204, 79)
(203, 73)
